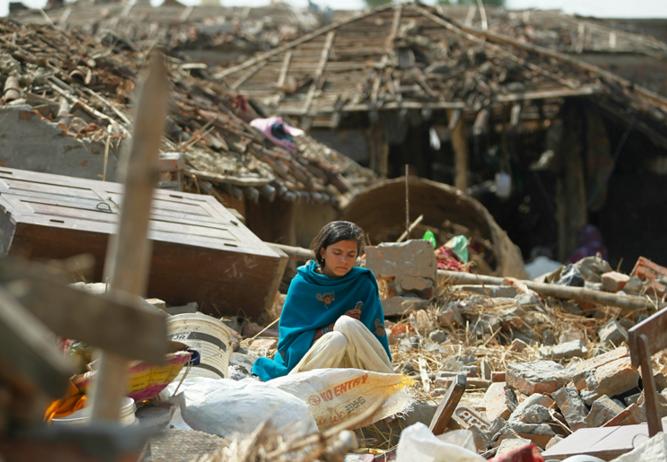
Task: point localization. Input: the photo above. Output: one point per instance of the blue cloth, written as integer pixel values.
(315, 300)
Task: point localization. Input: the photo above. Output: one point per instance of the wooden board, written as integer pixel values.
(604, 442)
(201, 252)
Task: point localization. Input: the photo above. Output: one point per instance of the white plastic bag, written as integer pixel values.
(418, 443)
(336, 395)
(224, 407)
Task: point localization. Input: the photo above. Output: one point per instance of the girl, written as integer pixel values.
(332, 316)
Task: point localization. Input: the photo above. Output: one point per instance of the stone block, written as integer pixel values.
(614, 281)
(438, 336)
(608, 374)
(397, 306)
(540, 434)
(536, 399)
(603, 409)
(496, 402)
(571, 406)
(536, 377)
(613, 333)
(410, 258)
(510, 444)
(572, 349)
(450, 317)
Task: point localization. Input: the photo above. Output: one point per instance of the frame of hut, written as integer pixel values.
(66, 109)
(402, 84)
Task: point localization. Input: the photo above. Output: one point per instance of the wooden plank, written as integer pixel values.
(448, 404)
(99, 320)
(317, 78)
(128, 255)
(650, 390)
(654, 328)
(29, 358)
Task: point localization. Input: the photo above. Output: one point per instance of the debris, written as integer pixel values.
(566, 350)
(496, 402)
(536, 377)
(571, 406)
(602, 410)
(614, 281)
(613, 333)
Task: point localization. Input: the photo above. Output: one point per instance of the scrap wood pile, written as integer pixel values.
(233, 33)
(84, 87)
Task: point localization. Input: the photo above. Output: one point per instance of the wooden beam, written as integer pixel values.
(99, 320)
(282, 78)
(460, 145)
(319, 72)
(128, 254)
(445, 410)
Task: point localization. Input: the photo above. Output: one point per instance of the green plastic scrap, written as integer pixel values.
(459, 245)
(430, 237)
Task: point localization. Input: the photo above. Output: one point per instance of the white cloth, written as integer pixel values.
(349, 345)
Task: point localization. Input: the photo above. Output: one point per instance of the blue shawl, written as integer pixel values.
(315, 300)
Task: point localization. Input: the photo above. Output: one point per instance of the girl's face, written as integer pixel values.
(339, 258)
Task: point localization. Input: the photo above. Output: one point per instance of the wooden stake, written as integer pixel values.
(129, 250)
(407, 200)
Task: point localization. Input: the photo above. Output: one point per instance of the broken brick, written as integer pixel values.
(612, 333)
(567, 350)
(571, 406)
(603, 409)
(536, 377)
(495, 401)
(614, 281)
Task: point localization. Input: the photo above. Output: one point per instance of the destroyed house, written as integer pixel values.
(66, 108)
(549, 143)
(198, 33)
(637, 54)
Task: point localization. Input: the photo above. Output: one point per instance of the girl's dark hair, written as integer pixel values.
(333, 232)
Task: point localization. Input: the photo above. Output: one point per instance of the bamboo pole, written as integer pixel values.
(128, 253)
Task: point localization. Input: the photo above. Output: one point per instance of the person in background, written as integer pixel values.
(332, 316)
(589, 244)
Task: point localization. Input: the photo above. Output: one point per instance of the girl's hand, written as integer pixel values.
(321, 331)
(354, 313)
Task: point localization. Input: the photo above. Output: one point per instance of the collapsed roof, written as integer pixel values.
(85, 87)
(409, 56)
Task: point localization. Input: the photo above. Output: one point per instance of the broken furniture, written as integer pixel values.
(646, 338)
(201, 252)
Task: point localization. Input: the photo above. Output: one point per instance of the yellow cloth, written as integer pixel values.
(349, 345)
(73, 401)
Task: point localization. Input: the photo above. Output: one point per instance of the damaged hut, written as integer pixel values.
(66, 110)
(207, 33)
(636, 54)
(547, 142)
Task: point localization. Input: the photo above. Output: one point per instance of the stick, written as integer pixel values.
(410, 228)
(407, 202)
(552, 290)
(128, 254)
(265, 329)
